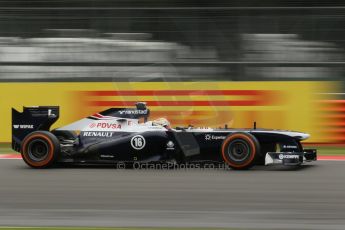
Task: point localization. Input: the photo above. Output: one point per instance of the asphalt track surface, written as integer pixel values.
(311, 197)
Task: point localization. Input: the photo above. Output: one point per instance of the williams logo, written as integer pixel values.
(23, 126)
(97, 134)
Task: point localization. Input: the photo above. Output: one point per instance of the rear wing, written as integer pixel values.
(30, 120)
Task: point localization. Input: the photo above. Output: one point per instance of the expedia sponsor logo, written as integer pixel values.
(129, 112)
(104, 125)
(23, 126)
(282, 156)
(209, 137)
(97, 134)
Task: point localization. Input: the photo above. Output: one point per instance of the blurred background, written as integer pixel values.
(279, 63)
(98, 40)
(297, 46)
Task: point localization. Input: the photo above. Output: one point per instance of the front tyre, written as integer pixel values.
(40, 149)
(240, 150)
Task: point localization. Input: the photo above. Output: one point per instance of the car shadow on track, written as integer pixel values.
(283, 168)
(173, 168)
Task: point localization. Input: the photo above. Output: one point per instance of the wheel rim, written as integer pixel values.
(238, 150)
(38, 150)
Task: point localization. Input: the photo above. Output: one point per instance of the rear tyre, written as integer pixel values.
(240, 150)
(40, 149)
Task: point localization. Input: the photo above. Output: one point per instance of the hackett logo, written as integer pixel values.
(23, 126)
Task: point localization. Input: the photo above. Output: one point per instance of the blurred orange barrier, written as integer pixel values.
(332, 116)
(284, 105)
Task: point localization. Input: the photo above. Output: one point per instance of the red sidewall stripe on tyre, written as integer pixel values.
(247, 162)
(45, 161)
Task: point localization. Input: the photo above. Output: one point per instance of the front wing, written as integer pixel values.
(290, 158)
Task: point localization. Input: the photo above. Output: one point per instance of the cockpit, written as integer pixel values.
(162, 122)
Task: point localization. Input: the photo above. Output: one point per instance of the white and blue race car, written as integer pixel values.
(125, 135)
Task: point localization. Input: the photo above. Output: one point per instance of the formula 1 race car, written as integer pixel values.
(125, 135)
